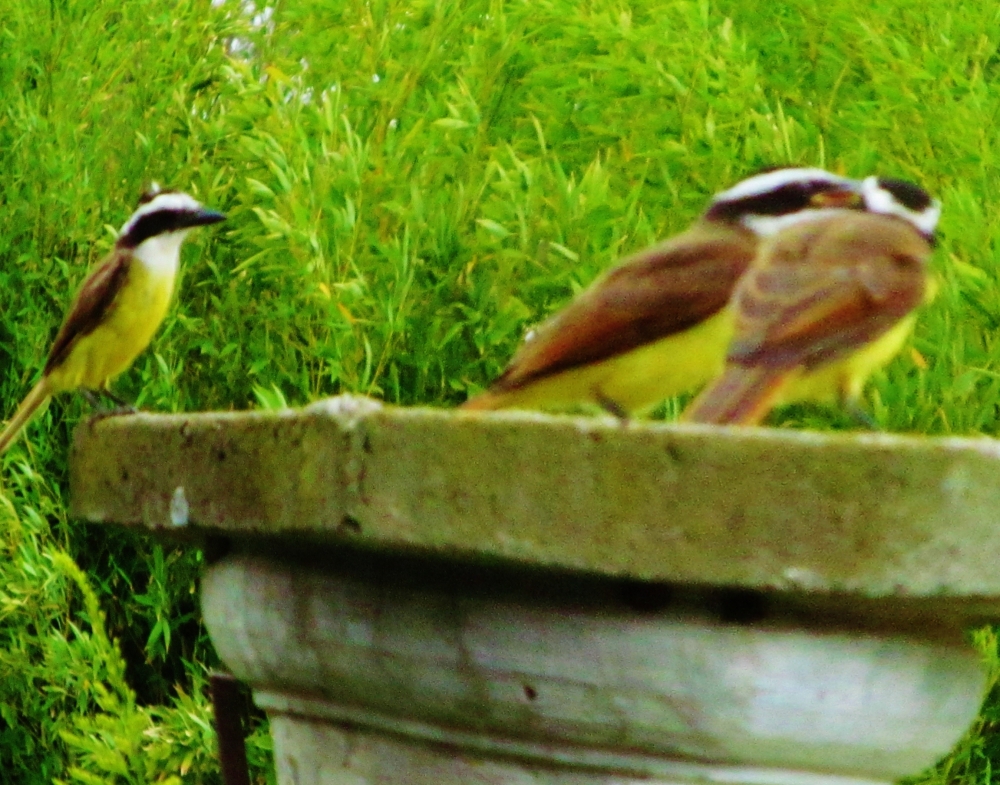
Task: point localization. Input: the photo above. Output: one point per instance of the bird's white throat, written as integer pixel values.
(161, 254)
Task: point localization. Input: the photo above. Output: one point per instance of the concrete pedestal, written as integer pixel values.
(430, 597)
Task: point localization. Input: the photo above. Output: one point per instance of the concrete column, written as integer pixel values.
(435, 597)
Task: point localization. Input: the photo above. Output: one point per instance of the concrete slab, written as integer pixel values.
(431, 596)
(874, 514)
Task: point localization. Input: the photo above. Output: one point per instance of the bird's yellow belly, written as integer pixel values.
(845, 378)
(643, 376)
(126, 330)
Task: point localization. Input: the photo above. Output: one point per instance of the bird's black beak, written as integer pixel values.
(204, 217)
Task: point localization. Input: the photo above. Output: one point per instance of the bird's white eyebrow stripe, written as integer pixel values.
(172, 201)
(879, 200)
(770, 181)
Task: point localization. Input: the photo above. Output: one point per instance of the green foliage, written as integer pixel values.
(67, 712)
(46, 661)
(974, 757)
(410, 184)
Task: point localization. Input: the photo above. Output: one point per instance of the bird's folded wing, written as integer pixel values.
(650, 296)
(91, 305)
(819, 309)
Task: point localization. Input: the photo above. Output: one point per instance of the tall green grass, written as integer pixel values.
(410, 185)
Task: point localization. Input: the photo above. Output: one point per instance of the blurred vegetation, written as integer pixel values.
(410, 185)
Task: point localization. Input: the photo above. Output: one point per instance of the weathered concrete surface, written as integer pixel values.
(585, 682)
(424, 596)
(870, 514)
(309, 752)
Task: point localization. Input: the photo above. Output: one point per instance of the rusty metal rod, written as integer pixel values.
(227, 702)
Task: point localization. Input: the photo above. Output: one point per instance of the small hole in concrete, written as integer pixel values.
(351, 523)
(738, 606)
(530, 692)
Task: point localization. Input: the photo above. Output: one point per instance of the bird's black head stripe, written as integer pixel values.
(786, 199)
(908, 194)
(155, 223)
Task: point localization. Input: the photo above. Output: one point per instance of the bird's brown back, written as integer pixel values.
(822, 289)
(649, 296)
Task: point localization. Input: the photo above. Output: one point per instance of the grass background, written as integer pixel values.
(411, 184)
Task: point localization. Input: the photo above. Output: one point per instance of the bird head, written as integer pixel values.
(770, 201)
(904, 200)
(162, 213)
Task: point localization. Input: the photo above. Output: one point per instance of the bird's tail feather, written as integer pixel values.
(485, 401)
(740, 396)
(38, 395)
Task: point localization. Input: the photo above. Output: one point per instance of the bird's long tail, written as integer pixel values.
(38, 395)
(740, 396)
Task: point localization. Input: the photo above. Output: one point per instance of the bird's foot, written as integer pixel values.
(100, 410)
(611, 406)
(861, 417)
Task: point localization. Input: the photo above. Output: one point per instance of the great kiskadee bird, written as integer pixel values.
(824, 305)
(657, 324)
(121, 303)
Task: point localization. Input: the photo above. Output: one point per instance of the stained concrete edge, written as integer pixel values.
(872, 514)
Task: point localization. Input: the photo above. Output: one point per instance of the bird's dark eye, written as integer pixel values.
(911, 196)
(156, 223)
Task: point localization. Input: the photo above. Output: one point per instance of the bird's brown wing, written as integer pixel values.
(821, 290)
(656, 293)
(93, 302)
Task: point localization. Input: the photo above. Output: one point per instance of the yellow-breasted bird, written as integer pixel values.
(120, 305)
(824, 305)
(658, 324)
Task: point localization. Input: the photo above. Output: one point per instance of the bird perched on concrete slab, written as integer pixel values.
(120, 305)
(658, 324)
(824, 305)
